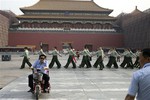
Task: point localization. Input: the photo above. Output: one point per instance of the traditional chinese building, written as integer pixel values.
(6, 18)
(65, 22)
(136, 28)
(4, 22)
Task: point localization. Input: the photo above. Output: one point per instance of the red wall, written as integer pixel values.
(78, 40)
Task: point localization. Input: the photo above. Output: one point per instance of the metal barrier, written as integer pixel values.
(6, 57)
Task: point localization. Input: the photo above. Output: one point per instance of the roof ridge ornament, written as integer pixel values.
(136, 7)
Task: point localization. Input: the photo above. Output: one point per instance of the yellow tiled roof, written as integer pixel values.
(65, 17)
(73, 5)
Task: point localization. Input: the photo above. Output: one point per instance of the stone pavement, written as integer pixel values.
(66, 84)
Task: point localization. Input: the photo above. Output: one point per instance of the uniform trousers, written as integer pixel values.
(99, 62)
(85, 61)
(124, 62)
(70, 60)
(55, 59)
(129, 62)
(136, 63)
(25, 60)
(112, 60)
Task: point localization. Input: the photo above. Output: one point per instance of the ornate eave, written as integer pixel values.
(66, 17)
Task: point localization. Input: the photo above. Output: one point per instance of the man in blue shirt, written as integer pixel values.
(42, 65)
(140, 83)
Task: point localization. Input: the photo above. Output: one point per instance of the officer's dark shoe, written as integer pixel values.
(107, 67)
(80, 66)
(58, 67)
(73, 67)
(65, 67)
(31, 90)
(21, 67)
(132, 67)
(94, 66)
(100, 68)
(136, 66)
(126, 67)
(121, 66)
(50, 67)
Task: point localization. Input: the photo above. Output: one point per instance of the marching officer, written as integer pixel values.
(129, 56)
(136, 63)
(99, 61)
(85, 59)
(125, 59)
(55, 58)
(89, 57)
(72, 54)
(130, 62)
(26, 58)
(112, 58)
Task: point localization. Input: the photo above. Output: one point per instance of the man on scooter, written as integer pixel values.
(39, 65)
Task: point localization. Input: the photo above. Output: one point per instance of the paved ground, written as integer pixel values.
(66, 84)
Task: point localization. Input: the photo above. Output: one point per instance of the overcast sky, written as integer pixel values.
(118, 6)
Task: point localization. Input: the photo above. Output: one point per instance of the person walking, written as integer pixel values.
(130, 55)
(72, 54)
(125, 59)
(136, 63)
(140, 83)
(85, 59)
(100, 56)
(89, 58)
(55, 58)
(25, 58)
(112, 58)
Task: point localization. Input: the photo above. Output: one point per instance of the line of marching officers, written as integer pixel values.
(112, 54)
(72, 54)
(127, 61)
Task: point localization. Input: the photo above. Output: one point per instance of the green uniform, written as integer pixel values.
(99, 61)
(85, 59)
(136, 63)
(25, 59)
(72, 54)
(112, 59)
(127, 62)
(55, 59)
